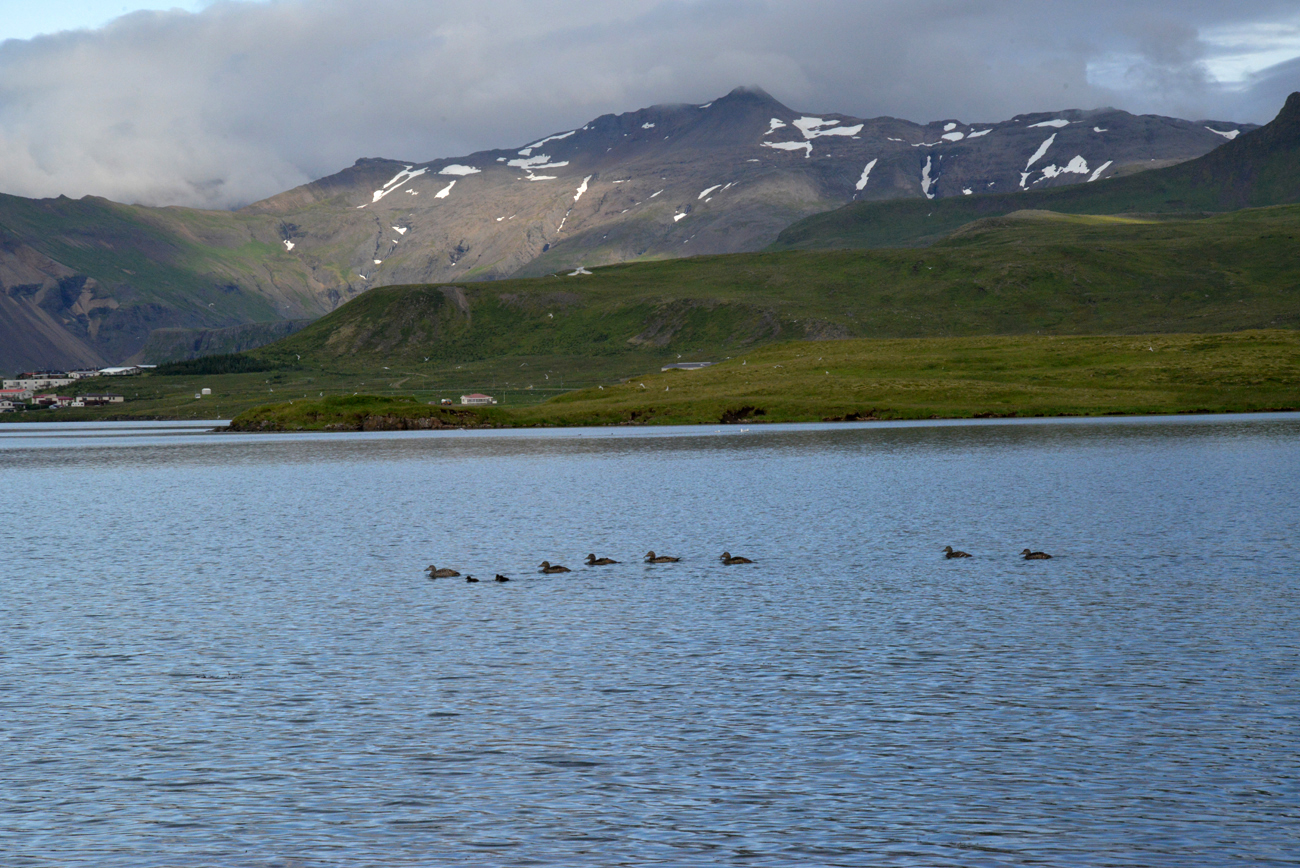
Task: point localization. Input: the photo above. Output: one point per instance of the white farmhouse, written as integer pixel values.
(477, 399)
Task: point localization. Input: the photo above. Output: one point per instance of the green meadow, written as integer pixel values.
(885, 379)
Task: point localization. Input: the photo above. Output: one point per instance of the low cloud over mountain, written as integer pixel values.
(242, 100)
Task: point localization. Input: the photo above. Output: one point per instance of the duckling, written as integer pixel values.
(728, 560)
(501, 578)
(1036, 556)
(470, 578)
(593, 561)
(547, 568)
(444, 573)
(652, 558)
(948, 552)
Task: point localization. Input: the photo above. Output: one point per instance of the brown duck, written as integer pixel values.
(444, 573)
(1036, 556)
(652, 558)
(501, 578)
(593, 561)
(548, 568)
(949, 552)
(728, 560)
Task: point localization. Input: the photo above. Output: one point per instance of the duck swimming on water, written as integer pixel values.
(593, 561)
(1036, 556)
(948, 552)
(501, 578)
(470, 578)
(548, 568)
(444, 573)
(652, 558)
(728, 560)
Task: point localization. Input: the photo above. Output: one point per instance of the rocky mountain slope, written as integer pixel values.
(1259, 169)
(90, 281)
(671, 181)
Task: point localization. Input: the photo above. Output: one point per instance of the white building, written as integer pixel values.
(120, 371)
(8, 394)
(477, 399)
(39, 380)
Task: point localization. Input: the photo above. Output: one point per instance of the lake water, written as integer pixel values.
(221, 650)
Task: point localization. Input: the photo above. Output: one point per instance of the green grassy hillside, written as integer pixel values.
(884, 379)
(1260, 168)
(129, 270)
(1020, 274)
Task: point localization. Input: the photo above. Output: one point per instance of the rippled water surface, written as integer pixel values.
(219, 649)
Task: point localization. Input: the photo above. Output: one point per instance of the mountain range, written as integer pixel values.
(88, 282)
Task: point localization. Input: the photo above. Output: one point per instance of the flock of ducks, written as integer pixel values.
(727, 558)
(548, 568)
(949, 552)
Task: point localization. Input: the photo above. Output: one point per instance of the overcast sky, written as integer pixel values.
(219, 104)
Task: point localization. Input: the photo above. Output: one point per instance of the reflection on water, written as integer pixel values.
(219, 649)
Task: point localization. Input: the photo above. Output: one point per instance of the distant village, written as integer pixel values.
(35, 390)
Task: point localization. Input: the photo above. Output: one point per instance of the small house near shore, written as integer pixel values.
(477, 399)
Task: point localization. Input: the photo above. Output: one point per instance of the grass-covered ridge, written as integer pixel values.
(885, 379)
(1025, 273)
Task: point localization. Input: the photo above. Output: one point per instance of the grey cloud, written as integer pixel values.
(246, 99)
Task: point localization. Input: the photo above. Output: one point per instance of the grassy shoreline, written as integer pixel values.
(846, 380)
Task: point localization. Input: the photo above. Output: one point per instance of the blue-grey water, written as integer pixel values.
(220, 650)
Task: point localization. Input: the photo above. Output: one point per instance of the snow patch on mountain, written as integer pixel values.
(442, 194)
(400, 230)
(288, 245)
(404, 175)
(1077, 166)
(1229, 135)
(926, 180)
(947, 128)
(457, 169)
(791, 146)
(775, 124)
(1041, 152)
(812, 128)
(554, 138)
(708, 191)
(1097, 174)
(532, 164)
(866, 173)
(1056, 122)
(582, 188)
(953, 137)
(644, 127)
(977, 133)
